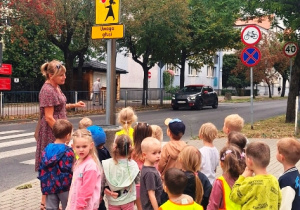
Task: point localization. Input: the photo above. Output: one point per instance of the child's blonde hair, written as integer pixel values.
(157, 132)
(190, 159)
(234, 122)
(233, 161)
(85, 134)
(85, 122)
(122, 147)
(126, 118)
(290, 148)
(149, 142)
(208, 132)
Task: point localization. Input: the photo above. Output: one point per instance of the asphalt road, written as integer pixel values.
(13, 172)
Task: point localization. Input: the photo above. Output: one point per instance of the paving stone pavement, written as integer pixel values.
(29, 199)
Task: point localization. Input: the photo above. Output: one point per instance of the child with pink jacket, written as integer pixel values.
(86, 183)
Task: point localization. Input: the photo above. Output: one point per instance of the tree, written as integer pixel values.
(265, 68)
(289, 11)
(151, 30)
(66, 23)
(229, 63)
(26, 49)
(210, 29)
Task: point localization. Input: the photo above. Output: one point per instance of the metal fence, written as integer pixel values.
(25, 104)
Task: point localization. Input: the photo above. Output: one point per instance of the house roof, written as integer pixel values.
(100, 67)
(263, 22)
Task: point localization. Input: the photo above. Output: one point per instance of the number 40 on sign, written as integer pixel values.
(290, 49)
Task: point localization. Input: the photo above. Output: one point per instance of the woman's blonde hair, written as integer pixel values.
(85, 134)
(190, 159)
(53, 67)
(126, 118)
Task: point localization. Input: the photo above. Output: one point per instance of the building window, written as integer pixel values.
(210, 71)
(192, 71)
(174, 68)
(177, 70)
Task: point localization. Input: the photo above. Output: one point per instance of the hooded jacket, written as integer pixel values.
(55, 170)
(169, 155)
(121, 177)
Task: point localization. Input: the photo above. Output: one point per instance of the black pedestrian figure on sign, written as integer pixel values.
(110, 10)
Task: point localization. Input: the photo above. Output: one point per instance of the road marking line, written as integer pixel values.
(17, 152)
(13, 131)
(17, 136)
(28, 162)
(18, 142)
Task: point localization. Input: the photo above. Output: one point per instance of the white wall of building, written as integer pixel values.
(134, 77)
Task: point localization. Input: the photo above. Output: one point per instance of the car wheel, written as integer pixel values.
(199, 104)
(215, 104)
(175, 107)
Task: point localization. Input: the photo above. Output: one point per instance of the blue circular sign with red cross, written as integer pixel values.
(250, 56)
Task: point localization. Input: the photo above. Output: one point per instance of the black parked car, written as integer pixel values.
(195, 96)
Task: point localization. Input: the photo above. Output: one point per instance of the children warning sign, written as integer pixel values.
(107, 11)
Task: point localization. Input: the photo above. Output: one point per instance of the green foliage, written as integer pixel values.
(27, 53)
(151, 30)
(210, 29)
(66, 24)
(171, 89)
(237, 81)
(229, 63)
(167, 79)
(232, 92)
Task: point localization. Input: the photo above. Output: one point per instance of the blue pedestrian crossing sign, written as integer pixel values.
(250, 56)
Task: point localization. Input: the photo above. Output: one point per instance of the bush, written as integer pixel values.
(172, 90)
(239, 92)
(233, 92)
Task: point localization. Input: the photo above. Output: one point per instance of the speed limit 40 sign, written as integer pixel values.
(290, 49)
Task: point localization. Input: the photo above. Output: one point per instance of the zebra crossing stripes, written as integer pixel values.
(11, 141)
(16, 136)
(17, 142)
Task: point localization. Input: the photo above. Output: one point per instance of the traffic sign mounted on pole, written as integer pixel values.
(107, 11)
(250, 56)
(290, 49)
(251, 35)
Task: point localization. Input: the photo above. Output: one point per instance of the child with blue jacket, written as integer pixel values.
(55, 170)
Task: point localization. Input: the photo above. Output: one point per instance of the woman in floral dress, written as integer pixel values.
(52, 107)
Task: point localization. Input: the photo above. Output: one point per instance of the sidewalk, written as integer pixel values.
(29, 199)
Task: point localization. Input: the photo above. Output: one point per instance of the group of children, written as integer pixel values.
(78, 170)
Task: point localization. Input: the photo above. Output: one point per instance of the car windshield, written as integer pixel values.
(193, 89)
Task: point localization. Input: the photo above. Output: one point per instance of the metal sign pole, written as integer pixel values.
(251, 76)
(111, 83)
